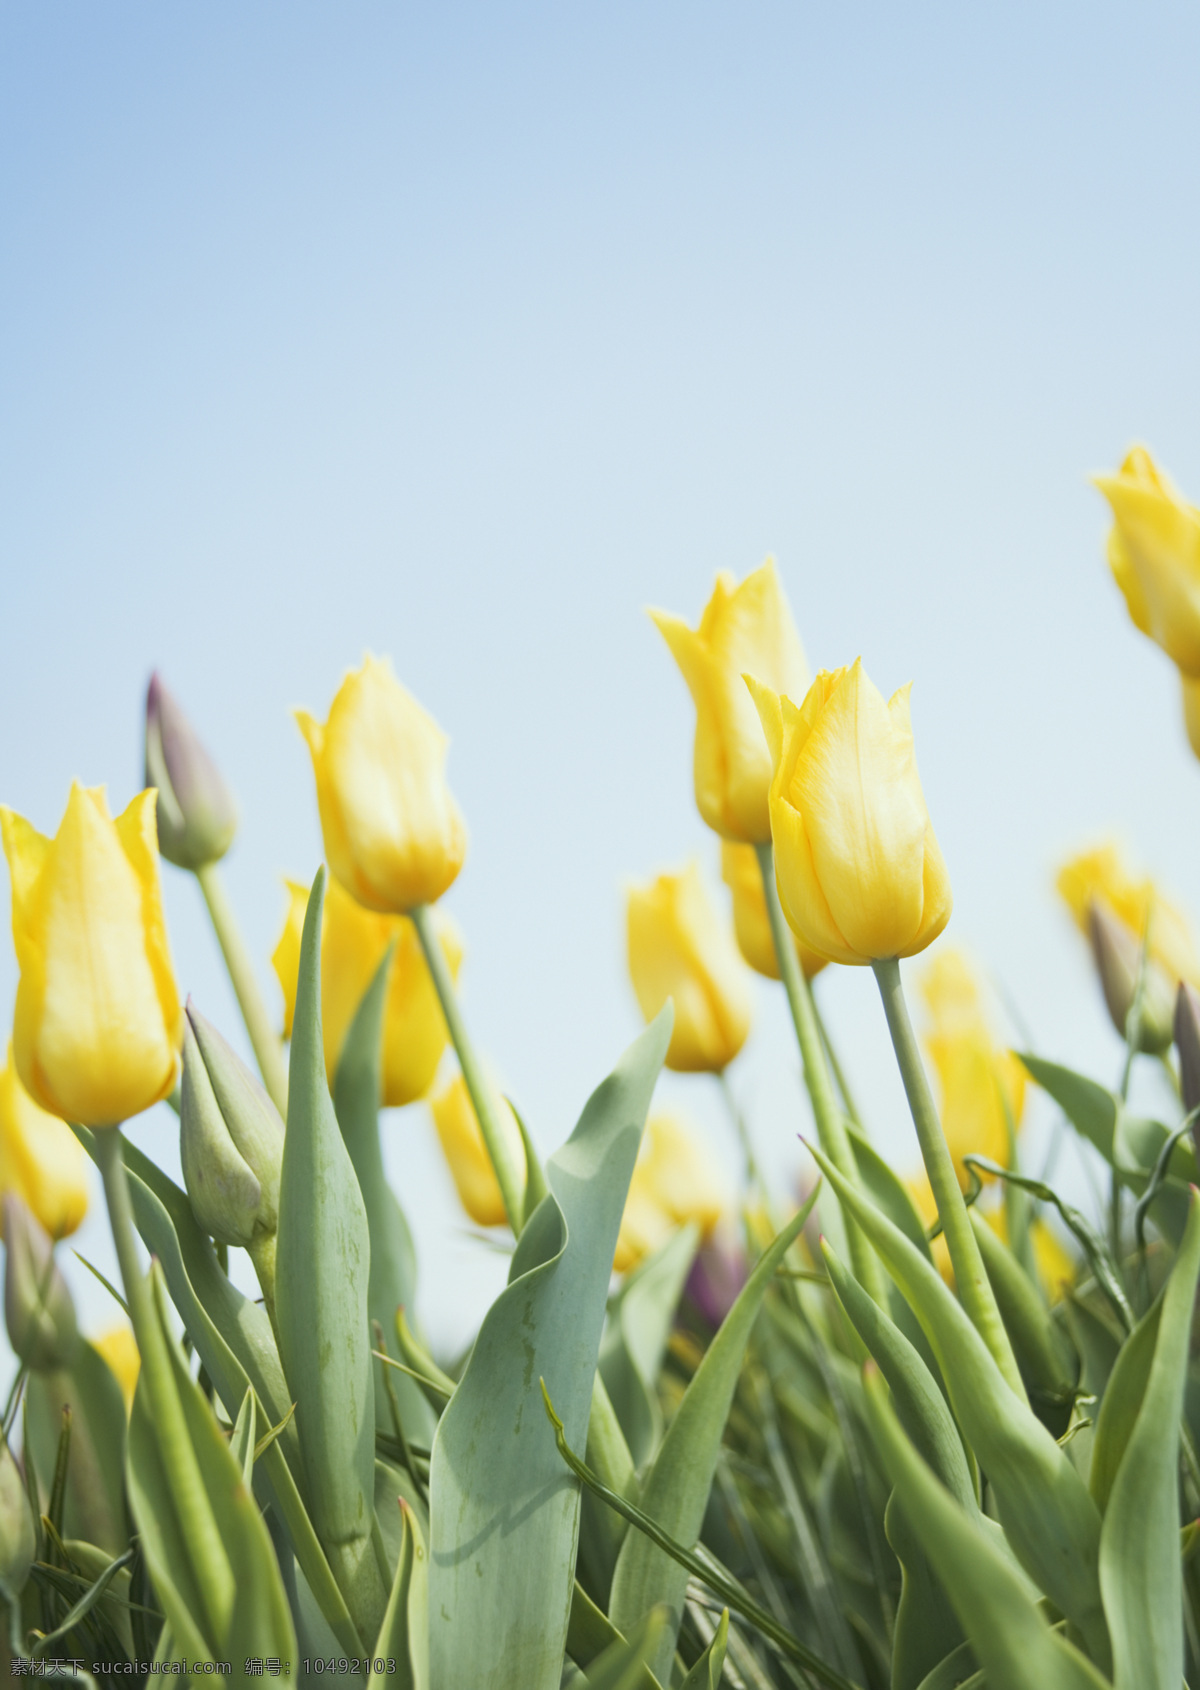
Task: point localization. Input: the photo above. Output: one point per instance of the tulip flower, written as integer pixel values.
(118, 1347)
(466, 1154)
(746, 627)
(1100, 875)
(353, 941)
(1154, 554)
(41, 1160)
(98, 1024)
(751, 924)
(196, 815)
(982, 1085)
(674, 1181)
(1118, 958)
(393, 835)
(680, 949)
(860, 874)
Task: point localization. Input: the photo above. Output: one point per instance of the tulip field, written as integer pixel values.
(935, 1427)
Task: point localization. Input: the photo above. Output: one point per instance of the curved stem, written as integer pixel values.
(483, 1095)
(831, 1129)
(268, 1049)
(974, 1286)
(193, 1510)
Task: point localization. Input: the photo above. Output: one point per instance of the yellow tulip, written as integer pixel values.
(40, 1158)
(982, 1085)
(98, 1023)
(1154, 554)
(466, 1154)
(746, 627)
(951, 991)
(674, 1181)
(353, 941)
(680, 949)
(859, 872)
(118, 1346)
(393, 834)
(741, 873)
(1100, 874)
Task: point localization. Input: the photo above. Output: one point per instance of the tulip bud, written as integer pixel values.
(38, 1310)
(17, 1540)
(1118, 957)
(1187, 1038)
(717, 1276)
(230, 1139)
(197, 817)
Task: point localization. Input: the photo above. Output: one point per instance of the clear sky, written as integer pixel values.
(462, 333)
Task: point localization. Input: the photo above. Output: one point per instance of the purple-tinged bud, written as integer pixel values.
(230, 1139)
(1117, 956)
(197, 817)
(38, 1310)
(717, 1275)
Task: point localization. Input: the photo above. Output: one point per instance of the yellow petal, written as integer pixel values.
(1101, 874)
(1155, 556)
(415, 1032)
(466, 1154)
(41, 1160)
(118, 1346)
(285, 958)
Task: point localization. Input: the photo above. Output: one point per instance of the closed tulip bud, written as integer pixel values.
(1187, 1040)
(40, 1158)
(466, 1154)
(743, 628)
(1117, 956)
(118, 1348)
(680, 949)
(98, 1024)
(353, 942)
(230, 1139)
(38, 1310)
(1154, 554)
(17, 1540)
(197, 817)
(393, 835)
(751, 924)
(859, 871)
(674, 1181)
(1140, 906)
(717, 1276)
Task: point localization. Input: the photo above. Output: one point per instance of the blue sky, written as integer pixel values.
(461, 334)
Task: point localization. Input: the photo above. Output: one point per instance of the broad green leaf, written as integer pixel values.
(622, 1666)
(504, 1512)
(392, 1282)
(676, 1490)
(1140, 1570)
(322, 1265)
(95, 1496)
(404, 1635)
(591, 1632)
(1049, 1373)
(1121, 1402)
(1044, 1506)
(1091, 1110)
(635, 1339)
(887, 1190)
(706, 1674)
(1015, 1646)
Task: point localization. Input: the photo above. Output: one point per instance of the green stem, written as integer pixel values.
(483, 1095)
(261, 1251)
(974, 1287)
(268, 1049)
(831, 1129)
(835, 1067)
(197, 1524)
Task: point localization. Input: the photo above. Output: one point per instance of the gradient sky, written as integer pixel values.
(461, 334)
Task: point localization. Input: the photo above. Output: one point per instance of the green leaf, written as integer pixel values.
(887, 1190)
(622, 1665)
(601, 1532)
(1091, 1110)
(404, 1635)
(590, 1632)
(504, 1512)
(392, 1282)
(1121, 1402)
(1015, 1646)
(706, 1674)
(322, 1268)
(1140, 1572)
(1044, 1506)
(635, 1339)
(95, 1496)
(956, 1672)
(676, 1490)
(1050, 1375)
(243, 1437)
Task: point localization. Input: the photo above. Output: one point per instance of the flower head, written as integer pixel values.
(680, 949)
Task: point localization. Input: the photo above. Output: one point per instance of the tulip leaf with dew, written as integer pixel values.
(925, 1628)
(393, 1277)
(706, 1674)
(635, 1338)
(1049, 1370)
(504, 1513)
(676, 1490)
(1140, 1571)
(403, 1641)
(1011, 1639)
(95, 1498)
(1048, 1517)
(322, 1265)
